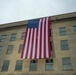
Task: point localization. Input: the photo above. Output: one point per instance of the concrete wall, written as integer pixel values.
(57, 55)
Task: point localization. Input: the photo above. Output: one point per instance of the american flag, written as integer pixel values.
(37, 39)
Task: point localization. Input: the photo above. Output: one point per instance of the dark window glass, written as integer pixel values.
(66, 62)
(64, 44)
(74, 27)
(49, 64)
(51, 45)
(19, 65)
(62, 31)
(23, 35)
(50, 32)
(5, 65)
(33, 65)
(3, 38)
(13, 37)
(1, 48)
(20, 48)
(10, 49)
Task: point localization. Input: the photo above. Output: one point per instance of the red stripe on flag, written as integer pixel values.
(45, 39)
(49, 36)
(24, 43)
(28, 45)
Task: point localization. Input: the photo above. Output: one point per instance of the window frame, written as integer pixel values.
(8, 49)
(19, 65)
(20, 48)
(34, 64)
(1, 48)
(3, 39)
(65, 46)
(51, 32)
(62, 32)
(74, 28)
(66, 64)
(50, 63)
(23, 35)
(12, 36)
(7, 66)
(51, 45)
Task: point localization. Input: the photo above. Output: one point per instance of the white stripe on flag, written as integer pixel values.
(25, 47)
(42, 55)
(30, 44)
(38, 45)
(34, 44)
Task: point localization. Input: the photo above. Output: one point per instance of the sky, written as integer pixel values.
(20, 10)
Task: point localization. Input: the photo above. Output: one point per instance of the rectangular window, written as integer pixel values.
(64, 45)
(62, 31)
(3, 38)
(19, 65)
(13, 37)
(10, 49)
(74, 27)
(51, 32)
(23, 35)
(20, 48)
(33, 65)
(49, 65)
(5, 65)
(51, 45)
(1, 48)
(66, 62)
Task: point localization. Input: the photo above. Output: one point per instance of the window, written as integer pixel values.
(13, 37)
(33, 65)
(19, 65)
(51, 45)
(66, 62)
(74, 27)
(64, 44)
(10, 49)
(49, 65)
(5, 65)
(20, 48)
(62, 31)
(50, 32)
(3, 38)
(1, 48)
(23, 35)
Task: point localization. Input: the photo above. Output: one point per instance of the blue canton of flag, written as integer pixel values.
(33, 23)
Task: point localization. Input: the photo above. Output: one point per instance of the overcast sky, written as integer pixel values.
(19, 10)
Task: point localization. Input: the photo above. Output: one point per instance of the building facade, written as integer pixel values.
(63, 43)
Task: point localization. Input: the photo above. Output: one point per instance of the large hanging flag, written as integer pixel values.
(37, 39)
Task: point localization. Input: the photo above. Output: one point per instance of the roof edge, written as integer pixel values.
(53, 18)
